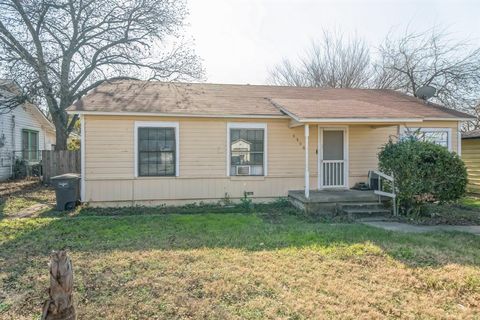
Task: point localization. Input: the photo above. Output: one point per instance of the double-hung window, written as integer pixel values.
(30, 145)
(440, 136)
(157, 149)
(247, 149)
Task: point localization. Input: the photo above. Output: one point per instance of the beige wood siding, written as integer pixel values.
(109, 161)
(365, 143)
(471, 157)
(110, 173)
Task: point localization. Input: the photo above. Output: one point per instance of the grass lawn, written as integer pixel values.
(154, 263)
(239, 266)
(471, 202)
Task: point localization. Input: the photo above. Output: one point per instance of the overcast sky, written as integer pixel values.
(239, 40)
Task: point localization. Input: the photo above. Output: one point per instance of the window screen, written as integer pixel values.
(156, 152)
(247, 149)
(439, 137)
(332, 145)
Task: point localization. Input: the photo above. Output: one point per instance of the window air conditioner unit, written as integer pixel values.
(243, 170)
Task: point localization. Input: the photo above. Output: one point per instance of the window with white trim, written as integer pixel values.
(30, 145)
(157, 149)
(247, 149)
(440, 136)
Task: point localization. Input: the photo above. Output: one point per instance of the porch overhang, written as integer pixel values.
(364, 107)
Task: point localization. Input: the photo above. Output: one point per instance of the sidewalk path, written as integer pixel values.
(405, 227)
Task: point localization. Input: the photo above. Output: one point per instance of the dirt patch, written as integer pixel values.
(10, 188)
(31, 211)
(466, 212)
(25, 198)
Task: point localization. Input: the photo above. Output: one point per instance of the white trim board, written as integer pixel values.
(179, 115)
(249, 125)
(459, 139)
(82, 158)
(359, 120)
(157, 124)
(288, 115)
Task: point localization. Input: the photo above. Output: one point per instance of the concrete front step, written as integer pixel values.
(357, 210)
(360, 205)
(332, 202)
(364, 213)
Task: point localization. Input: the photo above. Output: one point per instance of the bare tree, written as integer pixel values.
(474, 125)
(10, 96)
(61, 49)
(336, 61)
(431, 58)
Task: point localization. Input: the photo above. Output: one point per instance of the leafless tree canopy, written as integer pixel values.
(336, 61)
(403, 63)
(10, 96)
(431, 58)
(61, 49)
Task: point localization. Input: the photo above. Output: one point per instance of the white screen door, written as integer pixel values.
(332, 155)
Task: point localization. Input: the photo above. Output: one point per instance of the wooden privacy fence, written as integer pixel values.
(59, 162)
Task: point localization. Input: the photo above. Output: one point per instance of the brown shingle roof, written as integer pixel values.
(474, 134)
(256, 100)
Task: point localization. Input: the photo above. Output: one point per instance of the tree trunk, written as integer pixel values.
(60, 306)
(61, 139)
(60, 120)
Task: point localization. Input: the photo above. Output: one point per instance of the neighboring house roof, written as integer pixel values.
(474, 134)
(8, 89)
(302, 104)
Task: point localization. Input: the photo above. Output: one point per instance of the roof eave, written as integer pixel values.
(287, 115)
(359, 120)
(376, 120)
(180, 115)
(449, 118)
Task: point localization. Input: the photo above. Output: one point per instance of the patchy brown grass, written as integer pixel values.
(235, 284)
(10, 188)
(17, 196)
(236, 266)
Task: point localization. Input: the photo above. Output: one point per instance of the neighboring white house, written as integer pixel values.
(24, 132)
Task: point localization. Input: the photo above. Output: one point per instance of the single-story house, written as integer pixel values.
(471, 156)
(24, 132)
(151, 143)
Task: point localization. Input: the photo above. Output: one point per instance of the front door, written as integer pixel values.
(332, 155)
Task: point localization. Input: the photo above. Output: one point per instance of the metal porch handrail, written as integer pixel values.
(392, 194)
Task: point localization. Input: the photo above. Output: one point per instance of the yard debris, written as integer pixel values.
(60, 305)
(10, 188)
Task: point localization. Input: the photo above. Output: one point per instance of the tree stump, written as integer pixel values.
(60, 306)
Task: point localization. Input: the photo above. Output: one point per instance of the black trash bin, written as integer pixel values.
(67, 190)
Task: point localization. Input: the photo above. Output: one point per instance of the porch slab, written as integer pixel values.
(327, 201)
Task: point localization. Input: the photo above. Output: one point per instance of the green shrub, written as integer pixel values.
(19, 169)
(424, 172)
